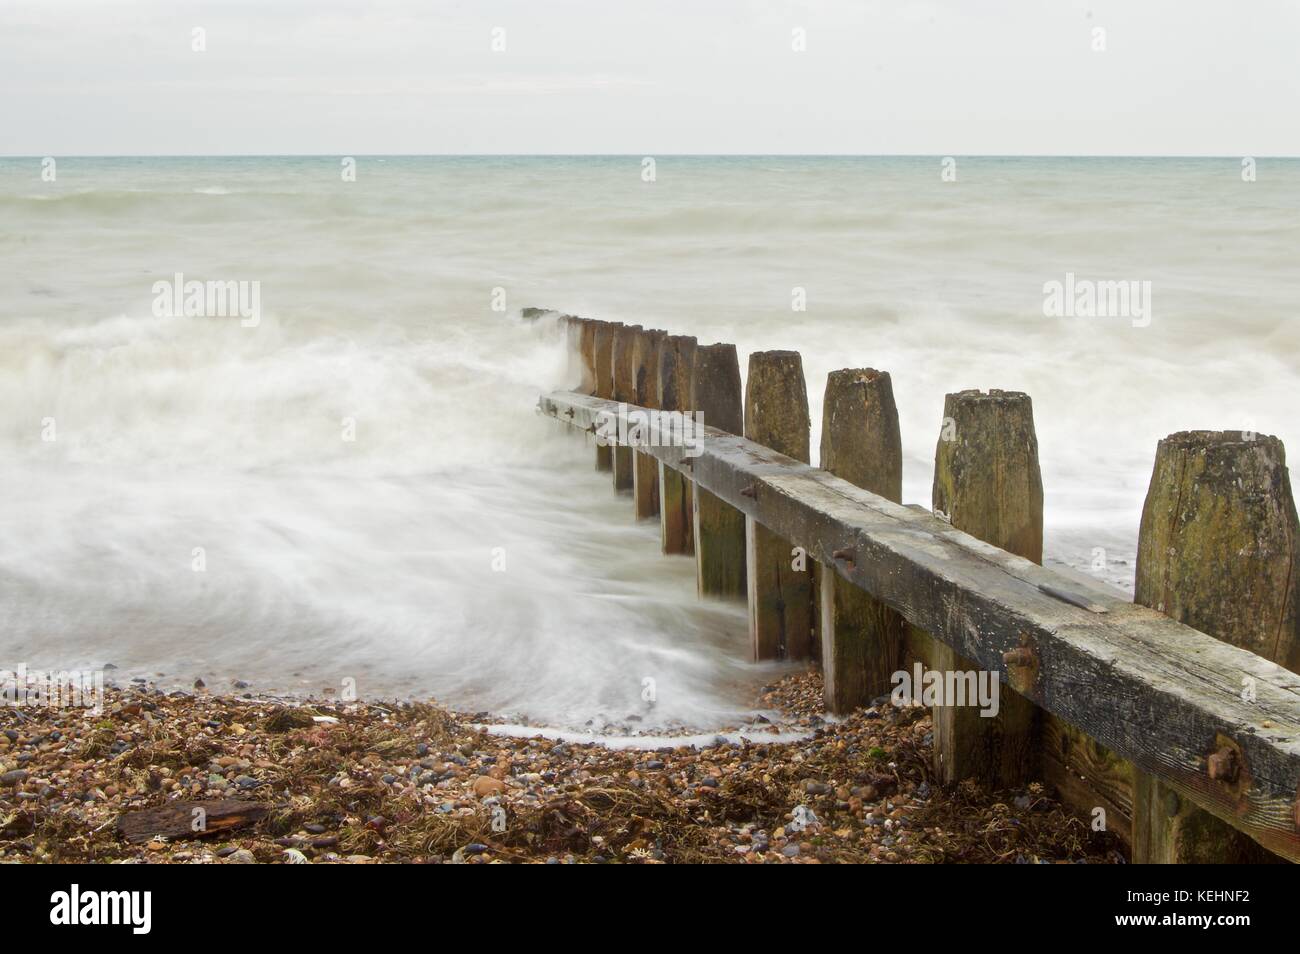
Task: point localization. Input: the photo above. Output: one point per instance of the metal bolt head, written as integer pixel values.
(1222, 764)
(1020, 656)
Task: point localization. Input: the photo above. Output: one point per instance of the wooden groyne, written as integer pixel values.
(1170, 718)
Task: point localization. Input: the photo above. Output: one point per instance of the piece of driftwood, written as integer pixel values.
(198, 819)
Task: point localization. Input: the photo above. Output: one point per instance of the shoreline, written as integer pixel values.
(364, 782)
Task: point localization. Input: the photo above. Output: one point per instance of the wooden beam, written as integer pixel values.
(1151, 689)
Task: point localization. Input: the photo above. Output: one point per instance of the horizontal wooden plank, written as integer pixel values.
(1150, 689)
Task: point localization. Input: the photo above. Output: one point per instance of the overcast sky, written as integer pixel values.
(946, 77)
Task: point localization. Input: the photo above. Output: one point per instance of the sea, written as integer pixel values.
(343, 487)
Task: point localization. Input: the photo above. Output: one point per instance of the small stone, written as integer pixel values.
(241, 857)
(790, 851)
(485, 785)
(15, 777)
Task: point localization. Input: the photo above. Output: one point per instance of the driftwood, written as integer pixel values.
(190, 819)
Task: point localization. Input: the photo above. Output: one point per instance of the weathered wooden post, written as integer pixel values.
(645, 468)
(780, 579)
(603, 350)
(987, 483)
(719, 527)
(1217, 551)
(625, 393)
(862, 638)
(587, 354)
(676, 360)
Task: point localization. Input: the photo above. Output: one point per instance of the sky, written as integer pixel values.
(931, 77)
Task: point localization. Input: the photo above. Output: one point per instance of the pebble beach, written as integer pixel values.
(330, 782)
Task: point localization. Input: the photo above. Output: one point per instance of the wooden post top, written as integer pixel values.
(645, 366)
(1218, 541)
(715, 387)
(776, 403)
(621, 358)
(987, 480)
(676, 361)
(861, 441)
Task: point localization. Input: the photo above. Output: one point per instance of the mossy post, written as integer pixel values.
(603, 350)
(719, 527)
(862, 638)
(1217, 551)
(987, 483)
(625, 393)
(645, 469)
(676, 360)
(780, 579)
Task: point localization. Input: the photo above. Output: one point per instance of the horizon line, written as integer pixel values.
(630, 155)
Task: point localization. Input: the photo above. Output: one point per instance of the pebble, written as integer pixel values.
(485, 785)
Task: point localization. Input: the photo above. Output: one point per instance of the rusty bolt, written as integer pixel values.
(1222, 764)
(750, 491)
(846, 555)
(1020, 656)
(569, 413)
